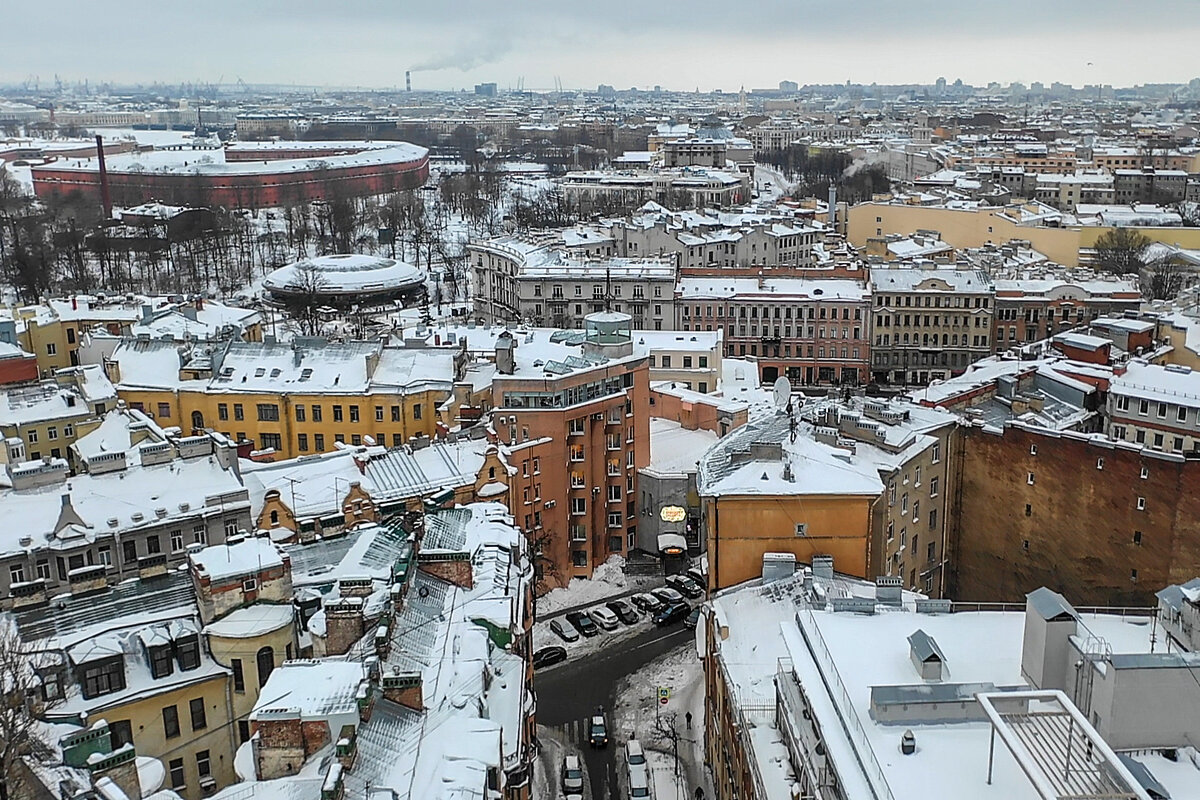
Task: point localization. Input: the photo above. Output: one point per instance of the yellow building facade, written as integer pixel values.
(741, 528)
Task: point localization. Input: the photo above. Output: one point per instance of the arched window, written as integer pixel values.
(265, 661)
(197, 420)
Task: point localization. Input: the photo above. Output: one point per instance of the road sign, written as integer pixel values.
(662, 701)
(664, 695)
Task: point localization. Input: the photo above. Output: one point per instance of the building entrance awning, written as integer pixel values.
(672, 544)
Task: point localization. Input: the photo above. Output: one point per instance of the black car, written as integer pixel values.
(672, 614)
(549, 656)
(598, 732)
(698, 576)
(563, 632)
(685, 586)
(693, 618)
(648, 603)
(582, 622)
(624, 611)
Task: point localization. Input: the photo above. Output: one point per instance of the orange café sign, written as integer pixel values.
(672, 514)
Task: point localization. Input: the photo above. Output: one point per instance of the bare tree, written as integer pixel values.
(23, 704)
(1163, 278)
(304, 302)
(1121, 251)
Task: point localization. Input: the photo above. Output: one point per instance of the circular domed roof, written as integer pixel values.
(349, 273)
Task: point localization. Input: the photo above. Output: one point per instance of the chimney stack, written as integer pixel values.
(833, 206)
(407, 81)
(105, 197)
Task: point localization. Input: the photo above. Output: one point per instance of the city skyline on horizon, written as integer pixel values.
(369, 46)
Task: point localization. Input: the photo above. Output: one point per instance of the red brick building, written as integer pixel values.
(1108, 523)
(241, 184)
(815, 332)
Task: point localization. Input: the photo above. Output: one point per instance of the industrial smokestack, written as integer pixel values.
(407, 81)
(833, 206)
(105, 197)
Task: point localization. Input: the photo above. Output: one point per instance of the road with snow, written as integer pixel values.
(569, 693)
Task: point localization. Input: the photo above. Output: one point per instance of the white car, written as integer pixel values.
(639, 784)
(572, 774)
(605, 618)
(639, 770)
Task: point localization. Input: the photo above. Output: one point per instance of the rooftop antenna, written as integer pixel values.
(782, 393)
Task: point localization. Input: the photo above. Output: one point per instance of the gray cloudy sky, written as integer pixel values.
(681, 45)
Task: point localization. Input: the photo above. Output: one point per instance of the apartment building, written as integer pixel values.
(285, 400)
(702, 241)
(699, 187)
(764, 491)
(1032, 305)
(914, 450)
(122, 519)
(815, 332)
(928, 324)
(582, 409)
(43, 419)
(835, 678)
(1155, 406)
(536, 282)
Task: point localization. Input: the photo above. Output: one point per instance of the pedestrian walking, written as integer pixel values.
(687, 718)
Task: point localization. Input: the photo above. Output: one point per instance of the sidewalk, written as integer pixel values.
(643, 584)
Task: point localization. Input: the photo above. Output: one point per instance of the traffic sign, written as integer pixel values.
(662, 701)
(664, 692)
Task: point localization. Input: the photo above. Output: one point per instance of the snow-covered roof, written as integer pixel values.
(253, 620)
(1165, 384)
(902, 279)
(347, 273)
(674, 449)
(247, 557)
(754, 289)
(804, 466)
(314, 689)
(116, 502)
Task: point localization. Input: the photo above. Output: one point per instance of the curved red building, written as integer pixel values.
(239, 184)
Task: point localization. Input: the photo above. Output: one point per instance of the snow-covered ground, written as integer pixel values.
(607, 580)
(770, 182)
(638, 714)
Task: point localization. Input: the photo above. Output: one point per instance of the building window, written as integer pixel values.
(416, 410)
(1133, 576)
(164, 409)
(268, 412)
(379, 413)
(223, 411)
(152, 545)
(1028, 510)
(199, 720)
(933, 486)
(176, 540)
(103, 679)
(578, 505)
(239, 413)
(579, 558)
(299, 413)
(271, 441)
(32, 437)
(1033, 449)
(1137, 538)
(337, 413)
(1029, 479)
(1141, 504)
(1100, 463)
(302, 442)
(170, 716)
(16, 573)
(177, 780)
(203, 764)
(265, 662)
(52, 432)
(354, 413)
(1145, 473)
(161, 663)
(51, 349)
(239, 678)
(188, 652)
(316, 413)
(200, 533)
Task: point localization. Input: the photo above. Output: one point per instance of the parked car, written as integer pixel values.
(563, 632)
(549, 656)
(693, 618)
(635, 756)
(583, 623)
(572, 774)
(685, 586)
(667, 595)
(672, 614)
(648, 602)
(698, 576)
(605, 618)
(624, 611)
(598, 732)
(639, 784)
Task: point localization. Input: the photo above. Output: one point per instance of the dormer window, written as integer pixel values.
(188, 652)
(161, 663)
(103, 677)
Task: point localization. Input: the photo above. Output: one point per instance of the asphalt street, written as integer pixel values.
(568, 694)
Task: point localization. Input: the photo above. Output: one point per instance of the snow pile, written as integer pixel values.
(607, 580)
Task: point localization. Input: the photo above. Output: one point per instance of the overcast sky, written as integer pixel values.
(680, 45)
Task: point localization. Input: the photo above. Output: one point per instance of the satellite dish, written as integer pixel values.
(782, 391)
